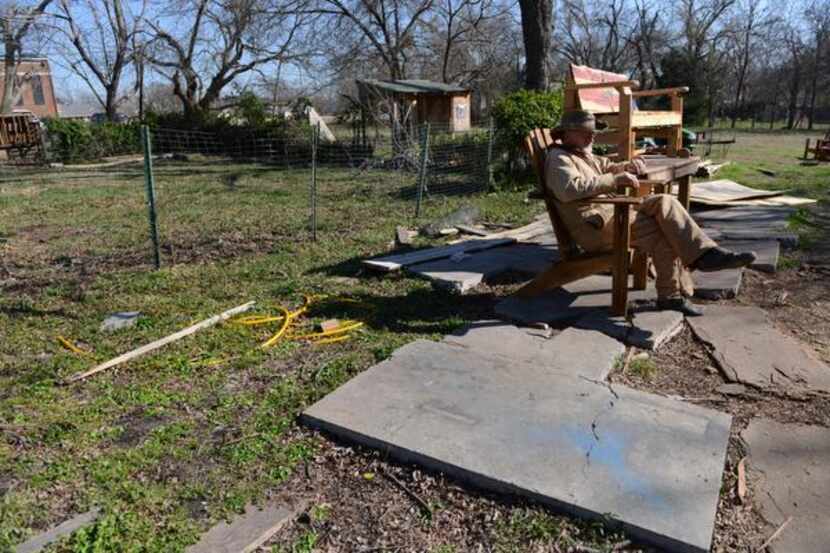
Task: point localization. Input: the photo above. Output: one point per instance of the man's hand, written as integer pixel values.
(636, 166)
(626, 180)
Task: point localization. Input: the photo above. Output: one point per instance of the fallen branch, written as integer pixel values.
(161, 342)
(412, 495)
(774, 535)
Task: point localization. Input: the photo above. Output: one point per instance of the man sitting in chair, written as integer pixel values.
(661, 228)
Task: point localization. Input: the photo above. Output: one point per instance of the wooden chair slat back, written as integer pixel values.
(536, 144)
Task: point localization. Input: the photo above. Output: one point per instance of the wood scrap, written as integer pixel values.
(742, 479)
(398, 261)
(466, 229)
(328, 325)
(526, 232)
(774, 535)
(767, 172)
(161, 342)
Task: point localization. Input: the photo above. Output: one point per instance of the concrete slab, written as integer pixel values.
(750, 350)
(575, 352)
(788, 465)
(768, 252)
(62, 530)
(587, 448)
(463, 273)
(575, 300)
(248, 531)
(749, 223)
(717, 285)
(647, 329)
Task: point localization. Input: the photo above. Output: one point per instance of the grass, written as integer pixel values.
(175, 440)
(780, 153)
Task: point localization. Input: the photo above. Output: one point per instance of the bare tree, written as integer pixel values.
(100, 45)
(387, 28)
(595, 34)
(205, 44)
(16, 22)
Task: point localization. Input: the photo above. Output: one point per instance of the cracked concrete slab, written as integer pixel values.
(572, 301)
(572, 351)
(647, 329)
(788, 467)
(718, 285)
(750, 350)
(464, 273)
(588, 448)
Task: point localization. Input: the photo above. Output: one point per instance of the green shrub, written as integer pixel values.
(72, 141)
(522, 111)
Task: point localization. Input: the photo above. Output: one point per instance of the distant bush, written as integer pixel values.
(522, 111)
(73, 141)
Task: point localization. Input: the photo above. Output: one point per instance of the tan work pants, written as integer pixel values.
(664, 230)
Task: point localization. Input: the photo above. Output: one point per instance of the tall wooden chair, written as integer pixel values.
(575, 264)
(611, 98)
(820, 150)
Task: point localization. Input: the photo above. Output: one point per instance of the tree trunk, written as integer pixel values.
(536, 27)
(10, 72)
(792, 106)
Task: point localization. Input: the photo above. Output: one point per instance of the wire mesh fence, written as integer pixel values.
(216, 196)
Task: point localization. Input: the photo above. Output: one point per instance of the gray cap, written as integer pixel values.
(579, 120)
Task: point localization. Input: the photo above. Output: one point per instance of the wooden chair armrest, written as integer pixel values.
(607, 84)
(661, 91)
(536, 195)
(620, 200)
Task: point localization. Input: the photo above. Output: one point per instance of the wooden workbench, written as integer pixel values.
(673, 169)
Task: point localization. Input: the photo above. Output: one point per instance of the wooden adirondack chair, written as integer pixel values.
(820, 150)
(575, 264)
(609, 96)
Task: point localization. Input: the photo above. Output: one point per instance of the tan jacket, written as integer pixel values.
(571, 177)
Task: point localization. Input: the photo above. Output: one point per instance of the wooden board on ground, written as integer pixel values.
(724, 190)
(399, 261)
(776, 201)
(396, 262)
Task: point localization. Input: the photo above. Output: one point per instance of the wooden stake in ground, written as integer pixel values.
(161, 342)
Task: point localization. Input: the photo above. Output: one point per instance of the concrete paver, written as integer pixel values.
(573, 351)
(750, 350)
(585, 447)
(788, 466)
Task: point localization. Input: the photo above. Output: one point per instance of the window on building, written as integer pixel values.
(37, 91)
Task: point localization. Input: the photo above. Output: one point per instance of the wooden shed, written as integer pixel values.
(428, 101)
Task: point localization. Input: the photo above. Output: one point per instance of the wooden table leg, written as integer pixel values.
(685, 190)
(622, 242)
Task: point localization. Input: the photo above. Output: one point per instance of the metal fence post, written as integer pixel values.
(315, 138)
(490, 139)
(151, 193)
(422, 169)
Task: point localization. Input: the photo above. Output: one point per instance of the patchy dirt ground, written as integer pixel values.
(361, 501)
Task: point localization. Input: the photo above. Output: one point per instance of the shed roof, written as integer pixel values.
(413, 86)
